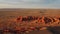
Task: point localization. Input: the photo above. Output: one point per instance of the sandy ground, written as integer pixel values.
(7, 15)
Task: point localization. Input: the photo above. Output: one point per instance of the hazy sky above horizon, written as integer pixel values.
(29, 3)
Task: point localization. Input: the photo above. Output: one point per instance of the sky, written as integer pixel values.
(30, 4)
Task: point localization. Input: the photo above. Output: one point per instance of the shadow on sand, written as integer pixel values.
(54, 30)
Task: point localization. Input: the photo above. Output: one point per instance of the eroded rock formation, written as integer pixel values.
(30, 23)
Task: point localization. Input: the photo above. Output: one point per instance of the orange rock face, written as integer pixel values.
(39, 19)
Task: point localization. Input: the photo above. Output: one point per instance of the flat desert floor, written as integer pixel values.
(7, 15)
